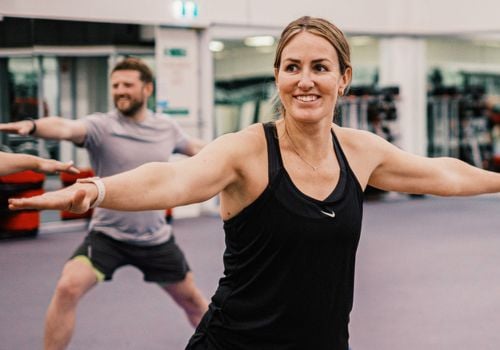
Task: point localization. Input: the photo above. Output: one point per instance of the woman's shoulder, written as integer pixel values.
(356, 138)
(250, 138)
(255, 130)
(246, 152)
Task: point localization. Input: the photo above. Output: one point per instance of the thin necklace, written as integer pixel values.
(314, 168)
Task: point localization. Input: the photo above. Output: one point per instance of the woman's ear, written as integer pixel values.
(345, 80)
(276, 70)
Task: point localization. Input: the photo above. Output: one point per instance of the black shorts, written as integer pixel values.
(162, 263)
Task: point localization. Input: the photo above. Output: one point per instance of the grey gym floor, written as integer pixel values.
(428, 277)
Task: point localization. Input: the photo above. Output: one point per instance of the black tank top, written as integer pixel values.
(289, 266)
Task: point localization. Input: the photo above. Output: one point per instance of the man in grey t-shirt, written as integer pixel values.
(118, 141)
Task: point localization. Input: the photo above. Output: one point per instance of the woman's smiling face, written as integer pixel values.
(309, 78)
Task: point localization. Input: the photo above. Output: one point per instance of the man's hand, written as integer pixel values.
(76, 199)
(22, 127)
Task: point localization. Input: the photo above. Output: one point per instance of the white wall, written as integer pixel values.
(356, 16)
(144, 11)
(447, 16)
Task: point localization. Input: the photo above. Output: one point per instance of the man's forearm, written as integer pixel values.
(58, 128)
(53, 128)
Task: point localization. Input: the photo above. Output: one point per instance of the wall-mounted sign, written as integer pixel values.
(177, 78)
(175, 52)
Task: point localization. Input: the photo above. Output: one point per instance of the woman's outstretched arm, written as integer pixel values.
(13, 163)
(153, 185)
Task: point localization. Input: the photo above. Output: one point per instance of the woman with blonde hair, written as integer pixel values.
(291, 195)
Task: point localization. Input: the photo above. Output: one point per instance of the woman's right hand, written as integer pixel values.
(75, 199)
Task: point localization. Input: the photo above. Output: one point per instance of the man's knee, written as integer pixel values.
(68, 290)
(76, 279)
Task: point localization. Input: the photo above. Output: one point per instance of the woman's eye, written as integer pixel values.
(291, 68)
(320, 68)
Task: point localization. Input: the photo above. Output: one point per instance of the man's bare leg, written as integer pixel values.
(77, 278)
(188, 296)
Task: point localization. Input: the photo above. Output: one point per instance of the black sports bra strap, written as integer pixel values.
(273, 151)
(339, 152)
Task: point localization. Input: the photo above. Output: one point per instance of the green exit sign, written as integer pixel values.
(175, 52)
(185, 9)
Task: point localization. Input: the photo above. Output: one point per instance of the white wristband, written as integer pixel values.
(101, 190)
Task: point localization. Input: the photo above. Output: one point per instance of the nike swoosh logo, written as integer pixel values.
(332, 214)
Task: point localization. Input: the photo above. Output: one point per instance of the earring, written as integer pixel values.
(341, 92)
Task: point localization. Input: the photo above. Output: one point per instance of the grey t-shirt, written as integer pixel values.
(116, 144)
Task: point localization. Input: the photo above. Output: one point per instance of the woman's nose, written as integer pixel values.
(305, 81)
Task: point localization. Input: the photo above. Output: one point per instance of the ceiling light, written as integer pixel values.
(256, 41)
(216, 46)
(361, 40)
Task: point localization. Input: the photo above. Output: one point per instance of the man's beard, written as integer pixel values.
(132, 109)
